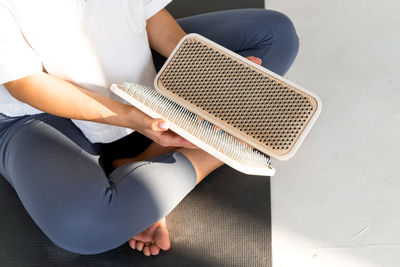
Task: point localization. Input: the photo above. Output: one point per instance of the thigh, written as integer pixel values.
(40, 151)
(29, 137)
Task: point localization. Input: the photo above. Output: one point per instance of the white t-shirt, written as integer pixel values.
(91, 43)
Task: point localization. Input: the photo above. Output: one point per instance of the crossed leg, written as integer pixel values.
(156, 237)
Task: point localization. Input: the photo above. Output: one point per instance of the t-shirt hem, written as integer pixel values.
(154, 6)
(101, 133)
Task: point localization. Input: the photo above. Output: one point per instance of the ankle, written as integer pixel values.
(202, 162)
(118, 162)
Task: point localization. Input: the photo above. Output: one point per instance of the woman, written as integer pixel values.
(67, 145)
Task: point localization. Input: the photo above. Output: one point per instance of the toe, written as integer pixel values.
(146, 251)
(139, 245)
(144, 236)
(132, 243)
(154, 249)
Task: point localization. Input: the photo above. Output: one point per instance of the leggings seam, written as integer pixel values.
(113, 182)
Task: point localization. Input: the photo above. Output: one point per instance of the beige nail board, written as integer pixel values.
(248, 102)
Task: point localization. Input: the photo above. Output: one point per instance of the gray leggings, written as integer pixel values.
(65, 182)
(59, 179)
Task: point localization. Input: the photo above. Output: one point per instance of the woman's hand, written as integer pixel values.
(157, 130)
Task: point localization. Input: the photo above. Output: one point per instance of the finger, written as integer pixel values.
(209, 124)
(186, 144)
(216, 127)
(132, 243)
(146, 251)
(159, 125)
(182, 142)
(256, 60)
(139, 245)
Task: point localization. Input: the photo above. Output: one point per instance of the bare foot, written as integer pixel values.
(151, 240)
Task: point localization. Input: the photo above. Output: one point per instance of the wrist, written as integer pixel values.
(135, 119)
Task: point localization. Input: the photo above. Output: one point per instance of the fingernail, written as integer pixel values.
(163, 125)
(259, 59)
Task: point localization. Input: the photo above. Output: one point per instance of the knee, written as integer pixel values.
(87, 227)
(282, 29)
(79, 235)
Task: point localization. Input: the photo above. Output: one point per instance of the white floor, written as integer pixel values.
(337, 202)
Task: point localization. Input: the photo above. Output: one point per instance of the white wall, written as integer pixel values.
(337, 202)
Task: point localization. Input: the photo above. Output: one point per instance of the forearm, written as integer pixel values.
(163, 32)
(56, 96)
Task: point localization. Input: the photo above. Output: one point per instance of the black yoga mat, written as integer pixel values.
(224, 221)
